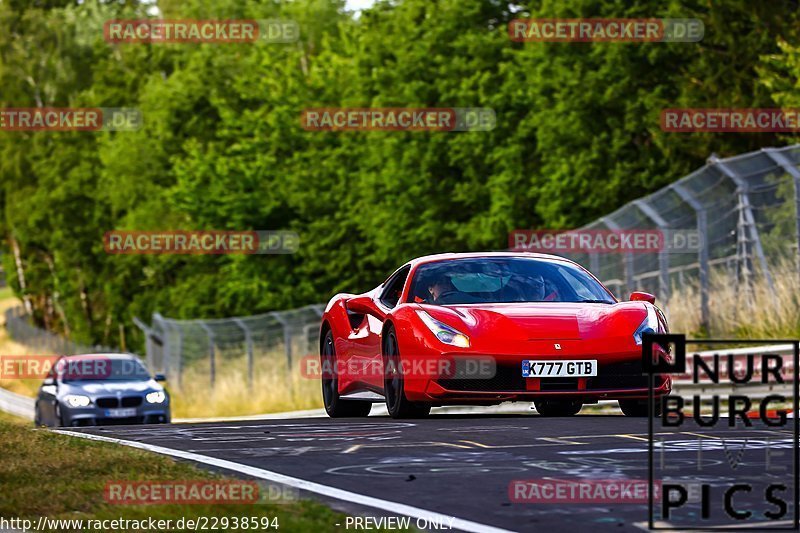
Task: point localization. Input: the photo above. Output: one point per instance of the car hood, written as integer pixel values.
(541, 320)
(101, 388)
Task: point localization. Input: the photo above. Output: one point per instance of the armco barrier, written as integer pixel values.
(16, 404)
(23, 406)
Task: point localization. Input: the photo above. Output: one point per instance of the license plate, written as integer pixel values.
(120, 413)
(559, 369)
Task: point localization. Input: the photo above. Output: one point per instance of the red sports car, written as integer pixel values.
(486, 328)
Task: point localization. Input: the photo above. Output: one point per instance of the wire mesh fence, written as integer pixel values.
(21, 329)
(250, 345)
(744, 209)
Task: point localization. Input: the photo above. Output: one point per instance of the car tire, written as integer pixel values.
(60, 422)
(638, 408)
(394, 385)
(551, 407)
(37, 416)
(335, 406)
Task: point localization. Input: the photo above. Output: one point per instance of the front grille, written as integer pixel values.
(619, 376)
(626, 375)
(119, 421)
(107, 403)
(506, 378)
(131, 401)
(558, 384)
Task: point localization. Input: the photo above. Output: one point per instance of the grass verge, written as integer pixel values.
(61, 477)
(274, 390)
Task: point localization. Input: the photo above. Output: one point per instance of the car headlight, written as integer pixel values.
(156, 397)
(443, 332)
(650, 324)
(77, 400)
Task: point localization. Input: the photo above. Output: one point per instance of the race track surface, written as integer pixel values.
(462, 465)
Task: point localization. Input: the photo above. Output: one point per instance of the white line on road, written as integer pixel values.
(302, 484)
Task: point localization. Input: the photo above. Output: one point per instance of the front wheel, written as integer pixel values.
(335, 406)
(61, 420)
(394, 385)
(558, 407)
(639, 408)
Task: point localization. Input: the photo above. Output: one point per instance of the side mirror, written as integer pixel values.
(160, 377)
(48, 381)
(366, 306)
(638, 296)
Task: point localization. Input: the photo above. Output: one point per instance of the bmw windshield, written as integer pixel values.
(102, 369)
(486, 280)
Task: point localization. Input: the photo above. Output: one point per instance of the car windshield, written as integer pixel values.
(504, 280)
(102, 369)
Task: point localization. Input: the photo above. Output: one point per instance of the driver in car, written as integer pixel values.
(440, 289)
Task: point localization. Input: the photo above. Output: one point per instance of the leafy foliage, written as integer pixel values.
(577, 135)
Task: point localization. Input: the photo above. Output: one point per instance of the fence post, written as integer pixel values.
(663, 254)
(287, 339)
(166, 345)
(320, 311)
(248, 339)
(149, 336)
(748, 222)
(627, 258)
(792, 170)
(702, 253)
(179, 352)
(212, 356)
(166, 364)
(594, 263)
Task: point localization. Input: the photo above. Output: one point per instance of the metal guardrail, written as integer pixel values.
(23, 406)
(17, 404)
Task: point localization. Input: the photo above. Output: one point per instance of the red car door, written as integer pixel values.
(364, 362)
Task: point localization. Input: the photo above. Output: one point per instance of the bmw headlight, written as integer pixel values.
(77, 400)
(443, 332)
(649, 325)
(156, 397)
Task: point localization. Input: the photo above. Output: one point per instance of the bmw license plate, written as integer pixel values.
(120, 413)
(559, 368)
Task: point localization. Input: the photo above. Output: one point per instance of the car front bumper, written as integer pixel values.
(619, 376)
(98, 416)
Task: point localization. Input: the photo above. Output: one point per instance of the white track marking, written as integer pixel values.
(302, 484)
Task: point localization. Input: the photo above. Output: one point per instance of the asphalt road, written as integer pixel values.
(462, 465)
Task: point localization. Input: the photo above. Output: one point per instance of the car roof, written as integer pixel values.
(104, 355)
(469, 255)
